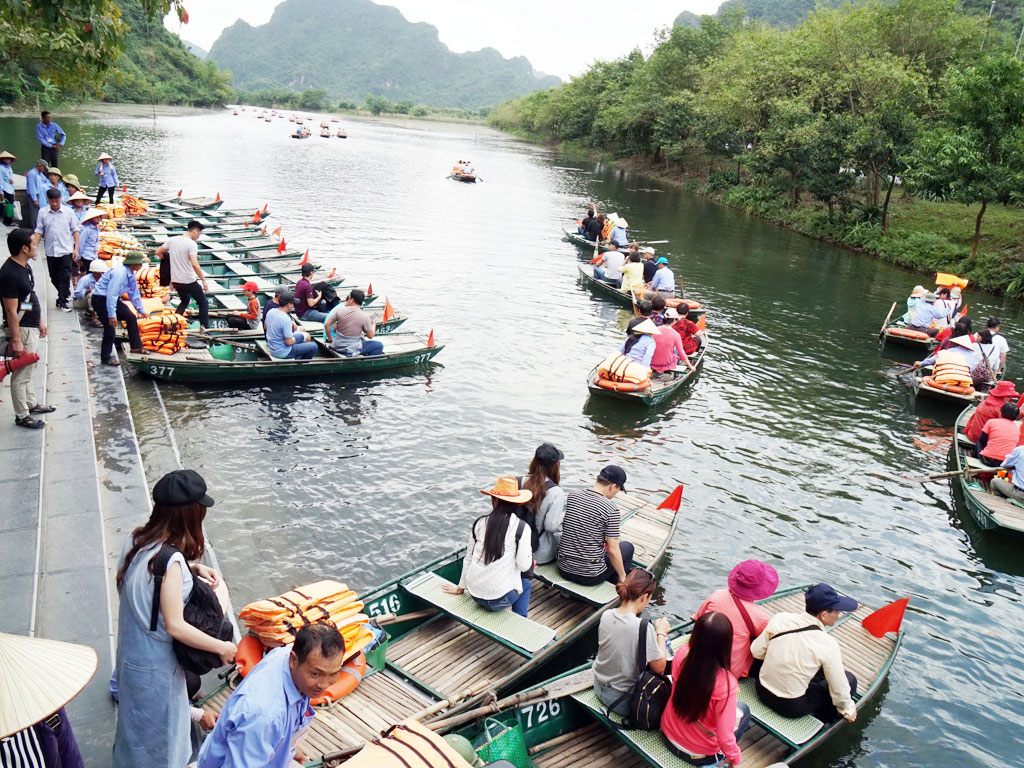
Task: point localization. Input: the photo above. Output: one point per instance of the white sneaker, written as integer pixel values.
(63, 307)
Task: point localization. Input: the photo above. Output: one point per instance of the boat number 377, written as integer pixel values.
(535, 714)
(161, 371)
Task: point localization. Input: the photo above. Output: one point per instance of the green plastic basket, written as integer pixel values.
(222, 352)
(503, 742)
(377, 658)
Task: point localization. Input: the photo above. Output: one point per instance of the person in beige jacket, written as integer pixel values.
(803, 665)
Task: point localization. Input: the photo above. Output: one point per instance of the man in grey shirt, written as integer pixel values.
(58, 228)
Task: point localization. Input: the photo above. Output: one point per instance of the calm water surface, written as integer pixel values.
(790, 444)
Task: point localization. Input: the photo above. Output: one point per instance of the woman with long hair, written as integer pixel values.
(153, 714)
(499, 551)
(700, 722)
(546, 509)
(618, 636)
(639, 344)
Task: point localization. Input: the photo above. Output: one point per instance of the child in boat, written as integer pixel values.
(704, 721)
(498, 553)
(618, 635)
(107, 177)
(250, 319)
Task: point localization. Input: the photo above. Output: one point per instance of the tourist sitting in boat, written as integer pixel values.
(546, 509)
(949, 305)
(274, 303)
(618, 234)
(250, 319)
(999, 436)
(618, 636)
(347, 323)
(264, 720)
(915, 295)
(945, 337)
(644, 308)
(307, 301)
(691, 336)
(590, 551)
(84, 287)
(639, 345)
(109, 308)
(650, 265)
(962, 349)
(803, 670)
(994, 325)
(704, 721)
(499, 553)
(584, 226)
(668, 352)
(632, 275)
(592, 227)
(927, 313)
(658, 310)
(284, 337)
(989, 350)
(468, 169)
(663, 283)
(1000, 394)
(748, 582)
(1012, 486)
(609, 264)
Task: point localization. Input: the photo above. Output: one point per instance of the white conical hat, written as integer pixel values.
(38, 677)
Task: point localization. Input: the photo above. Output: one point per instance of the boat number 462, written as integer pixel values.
(543, 711)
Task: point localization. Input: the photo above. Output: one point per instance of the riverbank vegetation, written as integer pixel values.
(317, 100)
(893, 128)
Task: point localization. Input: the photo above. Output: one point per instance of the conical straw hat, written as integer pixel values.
(38, 677)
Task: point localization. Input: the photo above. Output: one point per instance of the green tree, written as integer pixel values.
(313, 100)
(377, 104)
(975, 154)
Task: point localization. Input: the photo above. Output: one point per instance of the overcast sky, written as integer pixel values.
(559, 37)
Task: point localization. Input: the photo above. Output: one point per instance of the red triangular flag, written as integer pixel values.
(596, 258)
(332, 274)
(276, 231)
(265, 207)
(673, 500)
(281, 248)
(217, 199)
(369, 290)
(263, 231)
(179, 193)
(389, 311)
(256, 219)
(702, 323)
(305, 257)
(963, 311)
(124, 189)
(430, 339)
(887, 619)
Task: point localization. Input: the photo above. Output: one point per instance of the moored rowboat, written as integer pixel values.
(923, 387)
(897, 333)
(988, 509)
(660, 390)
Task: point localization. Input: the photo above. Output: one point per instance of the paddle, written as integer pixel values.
(892, 309)
(597, 248)
(964, 471)
(212, 339)
(651, 242)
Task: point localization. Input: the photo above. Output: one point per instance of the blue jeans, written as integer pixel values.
(741, 727)
(371, 347)
(302, 350)
(599, 273)
(313, 316)
(517, 601)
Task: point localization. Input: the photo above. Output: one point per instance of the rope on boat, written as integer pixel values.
(170, 429)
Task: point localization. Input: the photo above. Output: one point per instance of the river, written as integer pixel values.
(791, 443)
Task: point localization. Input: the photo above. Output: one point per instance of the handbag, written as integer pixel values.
(165, 270)
(202, 611)
(650, 694)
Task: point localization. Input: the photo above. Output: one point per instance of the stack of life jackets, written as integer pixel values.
(116, 244)
(134, 206)
(163, 333)
(148, 279)
(951, 374)
(617, 372)
(114, 210)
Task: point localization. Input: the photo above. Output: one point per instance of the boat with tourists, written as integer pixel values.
(561, 723)
(988, 509)
(469, 178)
(952, 394)
(656, 389)
(586, 273)
(445, 647)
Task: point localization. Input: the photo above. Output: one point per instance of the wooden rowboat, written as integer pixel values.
(988, 509)
(661, 389)
(218, 325)
(253, 362)
(891, 334)
(576, 238)
(449, 645)
(573, 731)
(235, 301)
(606, 291)
(466, 177)
(921, 389)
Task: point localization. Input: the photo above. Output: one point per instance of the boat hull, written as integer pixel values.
(988, 510)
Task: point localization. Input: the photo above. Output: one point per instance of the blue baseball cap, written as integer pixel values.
(661, 260)
(821, 597)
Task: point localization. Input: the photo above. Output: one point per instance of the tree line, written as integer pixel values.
(832, 115)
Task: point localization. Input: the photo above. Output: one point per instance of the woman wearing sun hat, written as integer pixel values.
(639, 344)
(499, 552)
(107, 177)
(7, 186)
(749, 581)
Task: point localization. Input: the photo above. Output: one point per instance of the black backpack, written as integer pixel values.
(165, 269)
(650, 693)
(202, 611)
(328, 295)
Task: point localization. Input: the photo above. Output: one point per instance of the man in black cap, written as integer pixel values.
(589, 551)
(803, 674)
(306, 299)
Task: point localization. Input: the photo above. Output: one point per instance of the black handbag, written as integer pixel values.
(202, 611)
(650, 694)
(165, 269)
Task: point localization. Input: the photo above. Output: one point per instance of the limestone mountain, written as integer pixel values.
(354, 47)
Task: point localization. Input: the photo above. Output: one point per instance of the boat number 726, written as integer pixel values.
(544, 711)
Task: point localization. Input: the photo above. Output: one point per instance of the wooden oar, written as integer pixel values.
(964, 471)
(651, 242)
(215, 340)
(887, 317)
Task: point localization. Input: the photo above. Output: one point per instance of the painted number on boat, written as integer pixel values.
(390, 604)
(544, 711)
(161, 371)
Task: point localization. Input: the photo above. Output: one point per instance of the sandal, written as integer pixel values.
(112, 361)
(36, 409)
(30, 423)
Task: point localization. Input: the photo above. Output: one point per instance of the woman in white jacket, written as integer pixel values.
(498, 553)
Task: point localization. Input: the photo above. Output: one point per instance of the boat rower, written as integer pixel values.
(346, 324)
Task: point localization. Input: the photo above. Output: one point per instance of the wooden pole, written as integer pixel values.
(886, 321)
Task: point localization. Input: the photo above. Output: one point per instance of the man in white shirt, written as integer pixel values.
(607, 268)
(186, 274)
(803, 665)
(57, 227)
(998, 341)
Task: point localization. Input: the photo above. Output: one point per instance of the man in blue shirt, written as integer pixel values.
(284, 338)
(58, 228)
(268, 714)
(925, 312)
(35, 180)
(663, 282)
(51, 139)
(107, 304)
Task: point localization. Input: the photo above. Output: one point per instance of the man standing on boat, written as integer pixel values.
(186, 274)
(51, 139)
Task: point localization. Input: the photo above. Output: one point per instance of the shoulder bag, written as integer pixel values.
(650, 693)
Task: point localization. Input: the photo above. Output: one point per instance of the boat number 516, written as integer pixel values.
(391, 604)
(545, 710)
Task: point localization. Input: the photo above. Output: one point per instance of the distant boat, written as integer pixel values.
(325, 132)
(342, 134)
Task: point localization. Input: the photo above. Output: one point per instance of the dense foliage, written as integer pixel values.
(817, 125)
(353, 47)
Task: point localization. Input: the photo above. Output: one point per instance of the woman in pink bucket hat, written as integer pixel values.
(749, 581)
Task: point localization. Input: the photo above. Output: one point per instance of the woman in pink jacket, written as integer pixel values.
(700, 722)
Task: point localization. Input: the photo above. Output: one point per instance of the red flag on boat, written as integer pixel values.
(963, 311)
(701, 323)
(256, 219)
(305, 257)
(281, 248)
(673, 500)
(369, 289)
(596, 258)
(389, 311)
(276, 231)
(265, 207)
(179, 192)
(333, 270)
(15, 363)
(217, 199)
(263, 231)
(430, 339)
(887, 619)
(124, 189)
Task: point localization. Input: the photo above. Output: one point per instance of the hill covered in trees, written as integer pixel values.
(351, 48)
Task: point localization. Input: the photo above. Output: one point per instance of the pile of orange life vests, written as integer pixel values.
(134, 206)
(163, 333)
(951, 374)
(148, 279)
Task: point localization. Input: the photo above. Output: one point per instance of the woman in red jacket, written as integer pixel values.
(700, 722)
